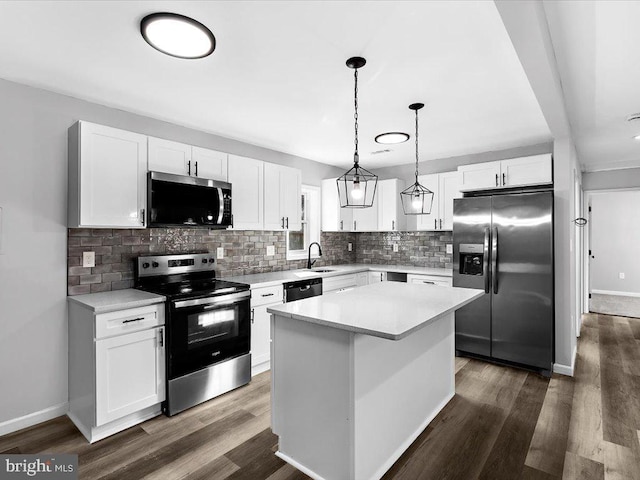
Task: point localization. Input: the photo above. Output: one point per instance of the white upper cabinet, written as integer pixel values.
(181, 159)
(449, 189)
(534, 170)
(246, 176)
(366, 219)
(282, 197)
(169, 157)
(334, 218)
(514, 172)
(430, 221)
(445, 187)
(107, 177)
(391, 217)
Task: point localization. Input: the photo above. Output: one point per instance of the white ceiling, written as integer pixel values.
(596, 45)
(278, 77)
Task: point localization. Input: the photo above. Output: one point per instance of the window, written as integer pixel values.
(298, 241)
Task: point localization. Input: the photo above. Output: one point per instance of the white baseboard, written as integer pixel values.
(612, 292)
(567, 369)
(34, 418)
(258, 369)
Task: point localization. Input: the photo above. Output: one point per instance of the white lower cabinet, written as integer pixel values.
(339, 283)
(116, 368)
(430, 280)
(261, 299)
(375, 277)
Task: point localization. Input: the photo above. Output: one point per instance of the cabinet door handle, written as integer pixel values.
(341, 224)
(252, 315)
(496, 179)
(267, 294)
(196, 169)
(393, 224)
(354, 225)
(142, 219)
(435, 223)
(232, 220)
(282, 222)
(133, 320)
(161, 337)
(189, 168)
(504, 181)
(287, 222)
(440, 224)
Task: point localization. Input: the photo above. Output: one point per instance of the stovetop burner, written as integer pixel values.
(182, 276)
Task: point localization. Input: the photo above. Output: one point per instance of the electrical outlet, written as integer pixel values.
(350, 246)
(271, 250)
(621, 274)
(449, 248)
(395, 247)
(88, 259)
(219, 253)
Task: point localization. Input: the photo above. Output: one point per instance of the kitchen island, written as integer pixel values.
(357, 375)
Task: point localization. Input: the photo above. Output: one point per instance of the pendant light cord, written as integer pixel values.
(416, 146)
(355, 115)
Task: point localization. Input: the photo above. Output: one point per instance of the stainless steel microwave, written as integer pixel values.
(181, 201)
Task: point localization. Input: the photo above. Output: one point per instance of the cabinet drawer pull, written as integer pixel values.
(133, 320)
(267, 294)
(427, 281)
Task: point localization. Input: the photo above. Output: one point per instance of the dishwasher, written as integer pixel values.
(311, 287)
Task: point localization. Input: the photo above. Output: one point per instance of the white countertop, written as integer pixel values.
(275, 278)
(390, 310)
(116, 300)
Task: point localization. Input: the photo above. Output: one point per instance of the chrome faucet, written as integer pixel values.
(309, 262)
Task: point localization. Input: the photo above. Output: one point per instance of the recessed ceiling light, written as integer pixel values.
(177, 35)
(390, 138)
(637, 137)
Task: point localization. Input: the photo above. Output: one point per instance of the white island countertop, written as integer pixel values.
(390, 310)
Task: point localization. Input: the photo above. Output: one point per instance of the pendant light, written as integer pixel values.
(357, 186)
(416, 199)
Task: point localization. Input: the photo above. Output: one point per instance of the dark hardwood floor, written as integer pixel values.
(502, 424)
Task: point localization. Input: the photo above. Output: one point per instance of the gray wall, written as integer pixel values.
(611, 179)
(33, 270)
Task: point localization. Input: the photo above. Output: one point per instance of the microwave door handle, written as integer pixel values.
(494, 260)
(220, 204)
(485, 262)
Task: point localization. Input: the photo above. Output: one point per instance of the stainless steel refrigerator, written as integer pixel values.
(503, 244)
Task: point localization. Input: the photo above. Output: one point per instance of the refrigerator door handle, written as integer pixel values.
(494, 259)
(486, 260)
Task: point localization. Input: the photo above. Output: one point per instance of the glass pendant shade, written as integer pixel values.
(357, 186)
(416, 199)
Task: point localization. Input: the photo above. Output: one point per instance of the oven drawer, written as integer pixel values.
(266, 295)
(128, 321)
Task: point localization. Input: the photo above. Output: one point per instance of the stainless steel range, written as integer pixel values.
(208, 327)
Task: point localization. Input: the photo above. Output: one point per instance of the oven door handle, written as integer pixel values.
(213, 301)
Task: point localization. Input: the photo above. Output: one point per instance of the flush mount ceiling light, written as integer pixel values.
(177, 35)
(637, 137)
(416, 199)
(357, 186)
(391, 138)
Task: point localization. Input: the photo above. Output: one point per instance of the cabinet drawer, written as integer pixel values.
(128, 321)
(430, 280)
(266, 295)
(336, 283)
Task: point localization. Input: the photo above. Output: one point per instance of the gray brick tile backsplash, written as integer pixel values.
(245, 251)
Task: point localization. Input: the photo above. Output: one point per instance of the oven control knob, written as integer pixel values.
(155, 264)
(211, 260)
(204, 260)
(145, 265)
